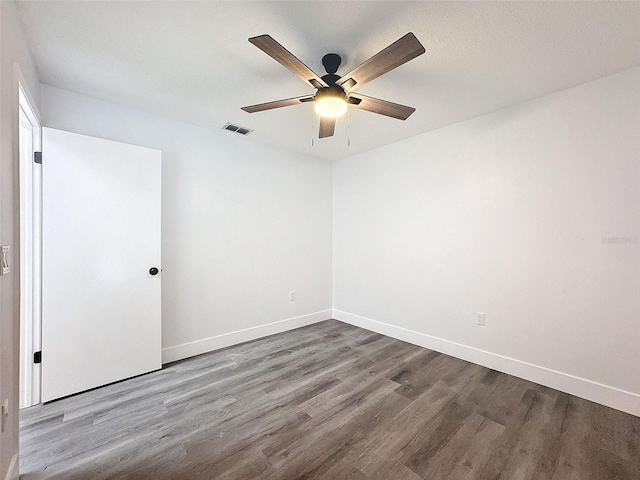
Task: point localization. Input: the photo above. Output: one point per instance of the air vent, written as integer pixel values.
(235, 128)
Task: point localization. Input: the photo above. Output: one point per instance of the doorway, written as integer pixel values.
(30, 250)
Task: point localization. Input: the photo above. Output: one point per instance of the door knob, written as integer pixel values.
(153, 271)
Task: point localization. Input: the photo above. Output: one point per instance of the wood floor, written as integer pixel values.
(329, 401)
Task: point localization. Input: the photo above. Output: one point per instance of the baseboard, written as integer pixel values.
(12, 471)
(186, 350)
(596, 392)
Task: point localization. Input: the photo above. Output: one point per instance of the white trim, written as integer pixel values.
(19, 79)
(604, 394)
(12, 473)
(186, 350)
(30, 205)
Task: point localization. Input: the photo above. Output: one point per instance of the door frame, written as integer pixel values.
(30, 175)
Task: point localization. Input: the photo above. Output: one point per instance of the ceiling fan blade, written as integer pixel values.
(327, 127)
(396, 54)
(277, 104)
(283, 56)
(375, 105)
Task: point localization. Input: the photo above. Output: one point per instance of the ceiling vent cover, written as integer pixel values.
(235, 128)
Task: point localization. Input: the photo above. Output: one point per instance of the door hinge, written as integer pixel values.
(37, 157)
(37, 357)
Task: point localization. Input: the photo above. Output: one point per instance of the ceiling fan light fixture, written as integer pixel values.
(330, 103)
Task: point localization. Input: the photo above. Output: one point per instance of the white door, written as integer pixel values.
(101, 242)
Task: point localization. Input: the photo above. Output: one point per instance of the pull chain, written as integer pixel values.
(348, 128)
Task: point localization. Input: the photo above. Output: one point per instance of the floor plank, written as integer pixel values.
(328, 401)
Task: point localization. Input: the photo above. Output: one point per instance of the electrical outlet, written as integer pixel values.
(292, 296)
(480, 318)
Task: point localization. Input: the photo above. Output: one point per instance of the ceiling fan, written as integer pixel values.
(334, 93)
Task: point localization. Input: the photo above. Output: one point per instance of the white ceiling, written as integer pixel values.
(192, 60)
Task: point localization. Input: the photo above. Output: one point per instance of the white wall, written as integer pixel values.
(505, 214)
(243, 224)
(16, 65)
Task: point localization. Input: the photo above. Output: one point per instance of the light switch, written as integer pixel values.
(4, 261)
(5, 412)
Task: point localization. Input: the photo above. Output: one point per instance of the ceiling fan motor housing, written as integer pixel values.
(333, 91)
